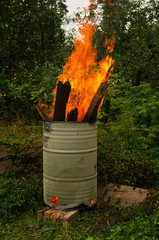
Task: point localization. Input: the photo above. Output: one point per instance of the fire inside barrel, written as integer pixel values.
(81, 88)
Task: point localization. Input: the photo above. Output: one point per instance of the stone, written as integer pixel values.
(3, 152)
(6, 165)
(125, 196)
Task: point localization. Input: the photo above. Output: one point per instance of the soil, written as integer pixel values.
(109, 222)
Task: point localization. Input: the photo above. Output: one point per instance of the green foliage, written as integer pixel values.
(128, 143)
(21, 189)
(47, 82)
(23, 142)
(18, 193)
(21, 93)
(121, 157)
(141, 226)
(31, 33)
(33, 44)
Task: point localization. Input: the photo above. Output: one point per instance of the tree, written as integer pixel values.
(136, 30)
(32, 37)
(31, 31)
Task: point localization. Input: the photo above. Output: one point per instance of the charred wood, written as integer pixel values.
(62, 95)
(92, 111)
(73, 115)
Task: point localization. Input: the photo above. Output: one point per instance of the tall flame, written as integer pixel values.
(83, 72)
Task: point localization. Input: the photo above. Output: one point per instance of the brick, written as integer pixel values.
(47, 214)
(69, 217)
(40, 213)
(55, 215)
(63, 217)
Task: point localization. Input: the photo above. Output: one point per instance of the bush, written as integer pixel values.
(21, 188)
(18, 193)
(21, 93)
(128, 143)
(121, 157)
(23, 142)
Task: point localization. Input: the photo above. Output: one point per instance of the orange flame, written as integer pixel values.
(83, 72)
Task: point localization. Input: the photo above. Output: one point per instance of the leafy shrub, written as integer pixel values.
(21, 188)
(18, 193)
(121, 158)
(22, 141)
(128, 143)
(22, 92)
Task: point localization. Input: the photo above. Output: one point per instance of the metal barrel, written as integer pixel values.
(70, 164)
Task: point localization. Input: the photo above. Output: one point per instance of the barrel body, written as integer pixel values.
(70, 164)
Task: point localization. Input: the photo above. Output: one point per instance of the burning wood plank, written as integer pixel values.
(63, 91)
(43, 113)
(72, 116)
(92, 111)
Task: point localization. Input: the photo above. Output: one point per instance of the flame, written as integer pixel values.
(55, 201)
(83, 72)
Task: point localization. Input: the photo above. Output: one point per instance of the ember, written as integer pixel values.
(81, 87)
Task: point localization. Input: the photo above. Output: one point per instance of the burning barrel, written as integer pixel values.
(70, 130)
(70, 164)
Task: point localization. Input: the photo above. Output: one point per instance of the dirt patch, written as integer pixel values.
(112, 220)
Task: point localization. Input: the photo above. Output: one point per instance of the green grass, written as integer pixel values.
(104, 223)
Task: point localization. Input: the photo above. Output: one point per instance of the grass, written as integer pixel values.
(104, 223)
(21, 197)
